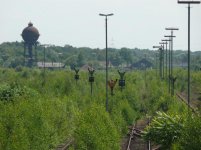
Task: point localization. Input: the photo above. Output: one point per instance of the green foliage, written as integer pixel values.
(95, 130)
(34, 124)
(15, 91)
(164, 130)
(44, 115)
(191, 135)
(49, 107)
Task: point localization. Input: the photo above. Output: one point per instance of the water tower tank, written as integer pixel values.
(30, 34)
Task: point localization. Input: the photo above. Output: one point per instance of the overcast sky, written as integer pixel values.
(136, 23)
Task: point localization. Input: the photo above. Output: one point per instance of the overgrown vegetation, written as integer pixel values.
(39, 111)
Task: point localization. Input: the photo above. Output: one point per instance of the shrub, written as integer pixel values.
(191, 135)
(8, 92)
(95, 130)
(164, 130)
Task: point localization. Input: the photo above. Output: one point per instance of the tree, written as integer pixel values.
(72, 60)
(126, 55)
(116, 59)
(81, 59)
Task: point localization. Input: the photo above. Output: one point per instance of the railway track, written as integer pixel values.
(135, 142)
(185, 102)
(66, 145)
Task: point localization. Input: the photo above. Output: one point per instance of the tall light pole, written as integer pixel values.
(160, 64)
(189, 51)
(169, 54)
(166, 60)
(172, 29)
(163, 55)
(156, 64)
(106, 61)
(171, 57)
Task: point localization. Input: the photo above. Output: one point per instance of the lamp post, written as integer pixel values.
(166, 60)
(189, 51)
(163, 56)
(160, 58)
(170, 57)
(106, 15)
(172, 29)
(156, 63)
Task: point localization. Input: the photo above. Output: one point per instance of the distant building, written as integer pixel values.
(142, 64)
(103, 64)
(50, 65)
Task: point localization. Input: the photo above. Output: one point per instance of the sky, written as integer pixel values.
(135, 24)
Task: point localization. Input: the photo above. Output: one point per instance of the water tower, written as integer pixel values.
(30, 36)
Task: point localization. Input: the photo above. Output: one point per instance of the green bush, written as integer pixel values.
(164, 130)
(191, 134)
(95, 130)
(14, 91)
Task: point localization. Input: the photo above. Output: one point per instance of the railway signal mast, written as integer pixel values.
(189, 3)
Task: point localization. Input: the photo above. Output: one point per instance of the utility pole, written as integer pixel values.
(172, 30)
(156, 64)
(106, 48)
(166, 59)
(44, 61)
(171, 56)
(189, 51)
(160, 59)
(163, 56)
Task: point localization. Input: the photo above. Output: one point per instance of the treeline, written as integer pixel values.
(11, 55)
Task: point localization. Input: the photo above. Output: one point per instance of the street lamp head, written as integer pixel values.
(156, 46)
(163, 43)
(102, 15)
(169, 36)
(110, 14)
(106, 14)
(165, 40)
(188, 2)
(171, 28)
